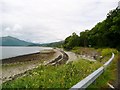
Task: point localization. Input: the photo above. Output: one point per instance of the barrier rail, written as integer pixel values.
(91, 78)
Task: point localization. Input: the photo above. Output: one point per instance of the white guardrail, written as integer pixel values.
(91, 78)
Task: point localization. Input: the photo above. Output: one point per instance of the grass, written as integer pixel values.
(64, 76)
(109, 76)
(67, 75)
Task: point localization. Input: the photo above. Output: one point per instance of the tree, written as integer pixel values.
(71, 41)
(104, 34)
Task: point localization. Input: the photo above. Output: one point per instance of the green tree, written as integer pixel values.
(71, 41)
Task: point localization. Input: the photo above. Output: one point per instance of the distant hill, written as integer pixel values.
(11, 41)
(53, 44)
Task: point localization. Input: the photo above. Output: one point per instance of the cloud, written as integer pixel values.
(51, 20)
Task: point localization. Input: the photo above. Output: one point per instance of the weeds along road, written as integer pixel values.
(118, 85)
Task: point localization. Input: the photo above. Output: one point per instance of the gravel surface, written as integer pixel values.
(72, 57)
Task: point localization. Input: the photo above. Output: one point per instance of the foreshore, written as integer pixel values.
(28, 57)
(17, 66)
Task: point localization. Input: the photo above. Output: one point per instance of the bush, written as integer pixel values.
(108, 51)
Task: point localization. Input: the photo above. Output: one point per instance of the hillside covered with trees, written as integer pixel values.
(104, 34)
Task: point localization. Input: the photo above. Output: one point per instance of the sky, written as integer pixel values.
(45, 21)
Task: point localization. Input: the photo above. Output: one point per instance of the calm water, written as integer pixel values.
(7, 52)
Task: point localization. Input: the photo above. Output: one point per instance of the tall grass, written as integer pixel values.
(109, 75)
(64, 76)
(107, 51)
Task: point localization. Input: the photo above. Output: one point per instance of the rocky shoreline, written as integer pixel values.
(26, 58)
(19, 66)
(16, 66)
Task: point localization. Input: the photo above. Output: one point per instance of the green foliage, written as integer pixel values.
(104, 34)
(108, 51)
(109, 76)
(71, 41)
(64, 76)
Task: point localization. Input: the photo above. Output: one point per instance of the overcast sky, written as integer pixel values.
(45, 21)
